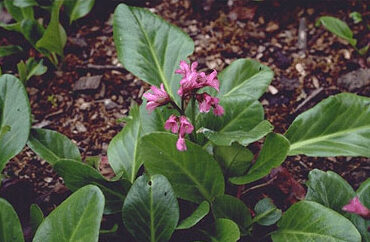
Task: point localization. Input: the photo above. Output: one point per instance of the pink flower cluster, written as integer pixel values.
(190, 83)
(355, 206)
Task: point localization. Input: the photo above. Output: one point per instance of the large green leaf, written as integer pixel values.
(78, 8)
(232, 208)
(10, 50)
(77, 175)
(194, 174)
(242, 137)
(151, 211)
(234, 160)
(363, 193)
(241, 115)
(311, 221)
(123, 149)
(10, 227)
(272, 154)
(15, 118)
(54, 38)
(154, 121)
(199, 213)
(52, 146)
(244, 77)
(337, 126)
(266, 212)
(337, 27)
(149, 47)
(223, 230)
(328, 189)
(76, 219)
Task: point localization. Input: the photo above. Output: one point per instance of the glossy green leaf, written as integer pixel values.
(245, 77)
(53, 146)
(311, 221)
(76, 219)
(25, 3)
(328, 189)
(123, 149)
(232, 208)
(30, 68)
(241, 115)
(10, 50)
(344, 130)
(234, 160)
(223, 230)
(242, 137)
(363, 193)
(10, 227)
(15, 118)
(272, 154)
(194, 174)
(54, 38)
(78, 174)
(266, 212)
(78, 8)
(149, 47)
(36, 217)
(151, 211)
(201, 211)
(154, 121)
(31, 30)
(337, 27)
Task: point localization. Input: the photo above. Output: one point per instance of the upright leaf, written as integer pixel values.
(337, 27)
(232, 208)
(10, 227)
(245, 77)
(76, 219)
(194, 174)
(223, 230)
(31, 30)
(53, 146)
(151, 211)
(272, 154)
(15, 118)
(36, 217)
(54, 38)
(337, 126)
(149, 47)
(123, 149)
(78, 8)
(78, 174)
(310, 221)
(199, 213)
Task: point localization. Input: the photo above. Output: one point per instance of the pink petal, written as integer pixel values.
(171, 124)
(194, 66)
(185, 126)
(355, 206)
(180, 144)
(150, 106)
(218, 110)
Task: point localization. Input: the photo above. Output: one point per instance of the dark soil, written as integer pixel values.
(266, 31)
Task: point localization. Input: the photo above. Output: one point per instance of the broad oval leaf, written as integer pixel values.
(76, 219)
(245, 77)
(337, 27)
(15, 118)
(241, 115)
(232, 208)
(150, 211)
(194, 174)
(337, 126)
(310, 221)
(266, 212)
(223, 230)
(149, 47)
(10, 227)
(234, 160)
(78, 174)
(199, 213)
(78, 8)
(272, 154)
(123, 148)
(53, 146)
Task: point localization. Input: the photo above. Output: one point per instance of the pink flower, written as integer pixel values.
(158, 97)
(355, 206)
(218, 110)
(206, 102)
(185, 126)
(189, 77)
(210, 80)
(172, 124)
(180, 144)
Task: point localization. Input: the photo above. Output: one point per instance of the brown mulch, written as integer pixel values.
(265, 31)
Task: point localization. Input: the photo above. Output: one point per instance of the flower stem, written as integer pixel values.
(177, 108)
(192, 116)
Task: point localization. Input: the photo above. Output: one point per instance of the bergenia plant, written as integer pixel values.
(183, 155)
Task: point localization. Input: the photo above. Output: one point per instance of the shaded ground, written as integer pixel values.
(266, 31)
